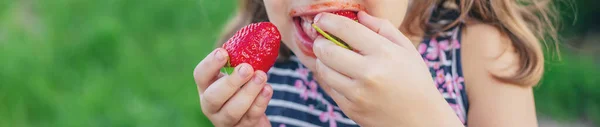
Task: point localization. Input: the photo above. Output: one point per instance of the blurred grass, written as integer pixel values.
(570, 89)
(129, 63)
(104, 62)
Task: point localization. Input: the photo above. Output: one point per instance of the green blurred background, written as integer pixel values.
(103, 63)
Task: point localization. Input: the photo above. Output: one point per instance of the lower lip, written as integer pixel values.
(304, 42)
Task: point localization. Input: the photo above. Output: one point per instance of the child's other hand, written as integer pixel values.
(239, 99)
(385, 82)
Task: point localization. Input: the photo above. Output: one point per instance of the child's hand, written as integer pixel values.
(222, 99)
(384, 82)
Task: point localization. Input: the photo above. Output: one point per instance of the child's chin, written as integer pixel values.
(309, 62)
(306, 50)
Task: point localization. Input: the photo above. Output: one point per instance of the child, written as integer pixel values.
(427, 63)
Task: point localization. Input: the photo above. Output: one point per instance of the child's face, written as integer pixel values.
(293, 18)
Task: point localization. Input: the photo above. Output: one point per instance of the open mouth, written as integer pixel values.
(305, 32)
(303, 17)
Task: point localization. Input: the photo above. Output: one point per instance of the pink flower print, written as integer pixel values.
(422, 48)
(302, 88)
(281, 125)
(311, 107)
(455, 44)
(458, 81)
(304, 95)
(433, 53)
(433, 64)
(449, 85)
(437, 51)
(330, 116)
(439, 77)
(443, 45)
(303, 73)
(444, 61)
(313, 88)
(436, 65)
(299, 85)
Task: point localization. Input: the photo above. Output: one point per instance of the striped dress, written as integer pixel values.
(298, 101)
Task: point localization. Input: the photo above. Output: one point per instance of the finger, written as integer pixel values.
(201, 90)
(221, 90)
(353, 33)
(336, 96)
(343, 85)
(342, 60)
(207, 71)
(260, 103)
(238, 105)
(384, 28)
(263, 122)
(258, 108)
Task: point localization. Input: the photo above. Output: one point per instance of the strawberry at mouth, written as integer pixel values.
(302, 17)
(305, 32)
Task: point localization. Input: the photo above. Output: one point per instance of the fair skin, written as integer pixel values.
(396, 75)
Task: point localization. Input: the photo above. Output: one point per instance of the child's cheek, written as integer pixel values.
(278, 13)
(392, 10)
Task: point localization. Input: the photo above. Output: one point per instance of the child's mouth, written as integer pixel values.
(306, 33)
(304, 30)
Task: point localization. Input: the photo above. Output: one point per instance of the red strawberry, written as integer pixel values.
(350, 14)
(256, 44)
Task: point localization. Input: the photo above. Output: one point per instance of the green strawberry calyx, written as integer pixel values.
(227, 69)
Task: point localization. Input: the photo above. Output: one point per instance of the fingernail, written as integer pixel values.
(219, 55)
(243, 71)
(258, 78)
(317, 18)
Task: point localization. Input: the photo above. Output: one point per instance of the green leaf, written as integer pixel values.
(227, 70)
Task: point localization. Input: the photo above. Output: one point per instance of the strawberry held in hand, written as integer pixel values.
(256, 44)
(349, 14)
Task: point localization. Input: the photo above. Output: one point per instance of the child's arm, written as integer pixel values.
(493, 103)
(384, 81)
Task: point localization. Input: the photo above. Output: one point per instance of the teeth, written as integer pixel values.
(306, 24)
(308, 18)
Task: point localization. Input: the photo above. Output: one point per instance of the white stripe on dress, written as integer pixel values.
(284, 72)
(290, 121)
(304, 108)
(290, 89)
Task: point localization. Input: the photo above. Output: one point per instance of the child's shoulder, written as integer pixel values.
(486, 47)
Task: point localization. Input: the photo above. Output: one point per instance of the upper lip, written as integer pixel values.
(326, 7)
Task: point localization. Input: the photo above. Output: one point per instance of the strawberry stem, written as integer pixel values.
(331, 38)
(227, 69)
